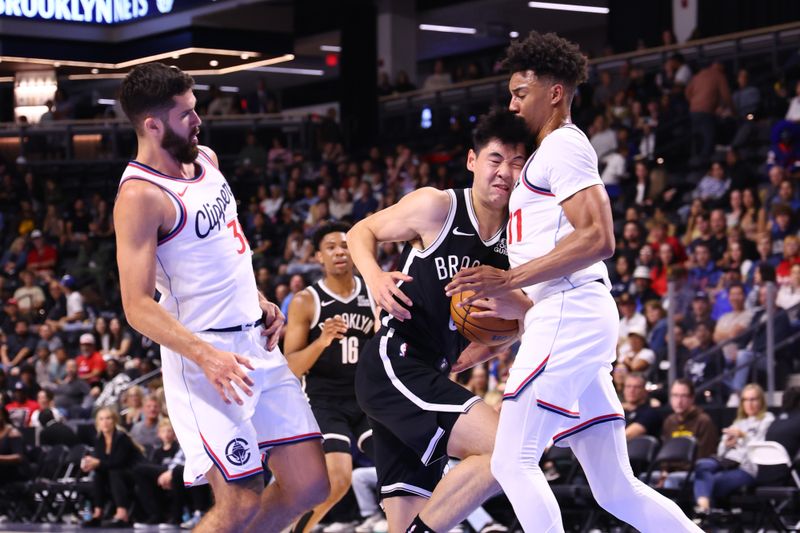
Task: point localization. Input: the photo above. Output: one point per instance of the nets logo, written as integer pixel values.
(91, 11)
(236, 452)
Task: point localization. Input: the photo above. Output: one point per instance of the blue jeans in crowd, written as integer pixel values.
(711, 481)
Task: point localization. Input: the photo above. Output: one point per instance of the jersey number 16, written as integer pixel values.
(349, 350)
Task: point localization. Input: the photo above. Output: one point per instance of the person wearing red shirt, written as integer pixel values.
(22, 407)
(42, 257)
(91, 364)
(659, 235)
(791, 256)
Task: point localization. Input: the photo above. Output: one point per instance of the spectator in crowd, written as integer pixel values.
(603, 138)
(731, 325)
(791, 257)
(659, 274)
(120, 339)
(704, 275)
(755, 344)
(714, 185)
(402, 83)
(630, 318)
(656, 317)
(640, 417)
(115, 382)
(789, 292)
(718, 476)
(21, 407)
(686, 420)
(30, 297)
(252, 155)
(746, 100)
(154, 480)
(54, 430)
(440, 79)
(91, 364)
(642, 290)
(18, 348)
(112, 459)
(74, 312)
(145, 431)
(704, 363)
(793, 113)
(42, 257)
(12, 452)
(786, 428)
(635, 355)
(133, 401)
(707, 93)
(13, 260)
(44, 401)
(71, 395)
(718, 243)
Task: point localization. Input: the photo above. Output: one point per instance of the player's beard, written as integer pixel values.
(182, 149)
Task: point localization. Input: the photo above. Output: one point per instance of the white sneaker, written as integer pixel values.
(381, 526)
(339, 527)
(368, 525)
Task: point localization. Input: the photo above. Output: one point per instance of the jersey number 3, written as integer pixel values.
(349, 350)
(237, 234)
(512, 237)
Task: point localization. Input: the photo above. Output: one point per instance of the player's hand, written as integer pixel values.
(273, 322)
(165, 480)
(509, 306)
(384, 288)
(333, 329)
(486, 281)
(470, 356)
(223, 370)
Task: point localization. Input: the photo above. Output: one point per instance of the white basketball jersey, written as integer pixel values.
(564, 164)
(204, 268)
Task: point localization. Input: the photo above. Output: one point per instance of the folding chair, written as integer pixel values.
(678, 450)
(777, 497)
(641, 452)
(39, 490)
(72, 486)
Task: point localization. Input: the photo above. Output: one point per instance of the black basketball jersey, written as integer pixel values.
(430, 333)
(334, 372)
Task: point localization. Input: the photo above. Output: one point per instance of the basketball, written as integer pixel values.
(488, 331)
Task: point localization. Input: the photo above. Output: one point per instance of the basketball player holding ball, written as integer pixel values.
(418, 416)
(560, 230)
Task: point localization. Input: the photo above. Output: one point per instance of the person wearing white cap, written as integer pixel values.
(635, 354)
(91, 364)
(642, 282)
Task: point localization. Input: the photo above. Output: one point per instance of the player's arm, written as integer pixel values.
(475, 354)
(140, 212)
(418, 215)
(299, 353)
(589, 212)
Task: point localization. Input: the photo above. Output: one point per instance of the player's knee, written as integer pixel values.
(313, 493)
(340, 483)
(242, 508)
(502, 469)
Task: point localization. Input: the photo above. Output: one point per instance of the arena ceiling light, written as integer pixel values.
(292, 70)
(330, 48)
(448, 29)
(569, 7)
(245, 66)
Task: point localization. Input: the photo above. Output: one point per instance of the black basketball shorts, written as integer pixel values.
(341, 421)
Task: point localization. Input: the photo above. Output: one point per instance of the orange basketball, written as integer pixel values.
(486, 331)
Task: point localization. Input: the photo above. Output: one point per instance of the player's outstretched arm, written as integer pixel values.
(589, 212)
(300, 354)
(418, 216)
(139, 212)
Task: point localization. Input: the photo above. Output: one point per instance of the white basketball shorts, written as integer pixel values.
(565, 359)
(229, 436)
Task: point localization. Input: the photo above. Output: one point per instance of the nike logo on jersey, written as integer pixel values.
(183, 191)
(325, 304)
(461, 233)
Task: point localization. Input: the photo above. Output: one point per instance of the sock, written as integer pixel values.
(301, 523)
(418, 526)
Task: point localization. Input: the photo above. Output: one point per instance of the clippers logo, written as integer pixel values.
(236, 452)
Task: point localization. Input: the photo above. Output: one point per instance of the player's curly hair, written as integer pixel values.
(548, 55)
(500, 124)
(149, 88)
(332, 227)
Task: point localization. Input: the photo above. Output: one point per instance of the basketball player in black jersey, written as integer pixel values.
(329, 323)
(418, 416)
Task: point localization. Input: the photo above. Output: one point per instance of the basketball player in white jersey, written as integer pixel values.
(231, 399)
(559, 231)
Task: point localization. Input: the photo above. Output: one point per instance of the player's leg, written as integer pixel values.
(401, 511)
(340, 474)
(469, 483)
(599, 444)
(522, 436)
(235, 502)
(301, 483)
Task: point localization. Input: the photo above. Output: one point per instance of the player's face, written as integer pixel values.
(182, 128)
(530, 99)
(496, 169)
(334, 255)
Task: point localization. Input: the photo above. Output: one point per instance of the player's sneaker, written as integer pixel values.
(368, 525)
(339, 527)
